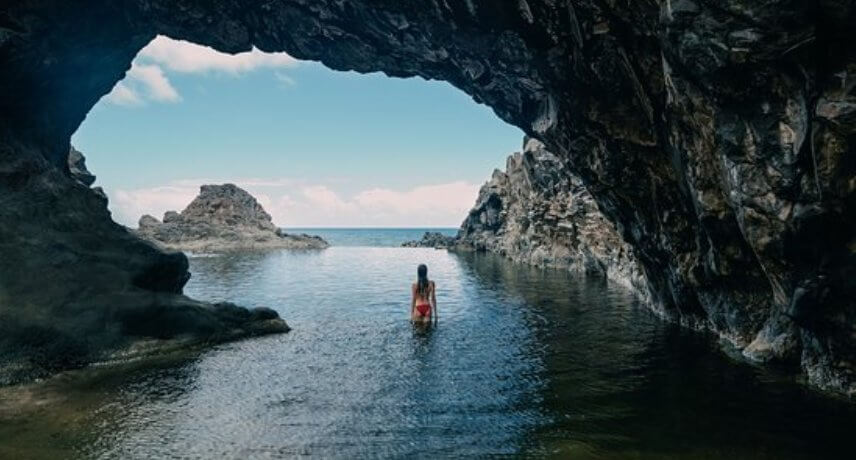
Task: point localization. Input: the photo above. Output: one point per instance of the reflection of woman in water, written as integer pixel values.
(423, 305)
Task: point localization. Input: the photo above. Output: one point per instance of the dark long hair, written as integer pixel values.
(422, 283)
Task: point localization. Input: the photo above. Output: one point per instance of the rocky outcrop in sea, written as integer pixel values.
(435, 240)
(538, 212)
(717, 136)
(222, 218)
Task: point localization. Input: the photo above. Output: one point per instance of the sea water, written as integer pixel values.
(523, 362)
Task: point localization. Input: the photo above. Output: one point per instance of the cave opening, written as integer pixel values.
(718, 137)
(317, 147)
(720, 183)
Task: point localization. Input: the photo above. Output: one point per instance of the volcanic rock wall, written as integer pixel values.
(537, 212)
(717, 135)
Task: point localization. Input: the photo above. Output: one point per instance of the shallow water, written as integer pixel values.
(524, 362)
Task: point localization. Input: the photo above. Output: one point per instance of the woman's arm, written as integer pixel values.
(412, 299)
(434, 299)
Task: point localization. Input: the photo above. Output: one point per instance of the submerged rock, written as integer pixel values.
(222, 218)
(431, 240)
(538, 212)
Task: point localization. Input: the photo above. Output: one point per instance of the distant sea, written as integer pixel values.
(370, 237)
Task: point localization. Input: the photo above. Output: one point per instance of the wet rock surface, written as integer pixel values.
(717, 136)
(537, 212)
(222, 218)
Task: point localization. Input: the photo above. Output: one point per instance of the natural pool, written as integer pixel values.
(524, 362)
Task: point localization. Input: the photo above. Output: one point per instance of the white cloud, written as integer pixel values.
(322, 197)
(147, 79)
(441, 205)
(186, 57)
(123, 95)
(293, 203)
(427, 199)
(129, 205)
(152, 78)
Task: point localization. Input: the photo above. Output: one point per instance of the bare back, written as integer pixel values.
(423, 305)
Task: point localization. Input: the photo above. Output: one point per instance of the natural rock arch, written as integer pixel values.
(718, 136)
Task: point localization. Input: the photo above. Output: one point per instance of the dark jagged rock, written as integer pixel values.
(222, 218)
(76, 288)
(718, 136)
(78, 171)
(537, 212)
(77, 168)
(435, 240)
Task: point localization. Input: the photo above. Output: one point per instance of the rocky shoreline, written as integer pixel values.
(434, 240)
(222, 218)
(537, 212)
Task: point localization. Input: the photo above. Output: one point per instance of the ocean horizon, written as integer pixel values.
(370, 236)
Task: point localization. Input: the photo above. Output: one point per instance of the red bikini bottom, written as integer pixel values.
(423, 309)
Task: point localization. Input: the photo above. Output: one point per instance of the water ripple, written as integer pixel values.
(524, 362)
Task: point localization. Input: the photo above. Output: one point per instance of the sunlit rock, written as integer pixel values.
(222, 218)
(538, 212)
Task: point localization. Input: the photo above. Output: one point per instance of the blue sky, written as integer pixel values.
(316, 146)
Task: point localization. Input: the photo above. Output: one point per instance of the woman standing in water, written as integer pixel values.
(423, 305)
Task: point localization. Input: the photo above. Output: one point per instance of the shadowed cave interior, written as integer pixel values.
(718, 138)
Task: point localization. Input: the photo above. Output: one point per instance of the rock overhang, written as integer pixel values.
(665, 110)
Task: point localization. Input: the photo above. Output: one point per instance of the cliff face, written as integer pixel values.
(76, 288)
(718, 136)
(538, 212)
(222, 218)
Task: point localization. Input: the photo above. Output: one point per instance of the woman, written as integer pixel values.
(423, 305)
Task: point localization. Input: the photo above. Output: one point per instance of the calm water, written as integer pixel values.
(523, 363)
(371, 237)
